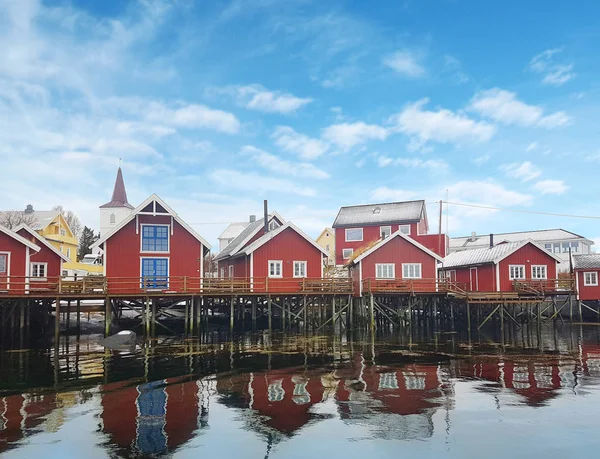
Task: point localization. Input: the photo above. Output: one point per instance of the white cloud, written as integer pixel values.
(531, 147)
(306, 147)
(256, 183)
(504, 107)
(480, 160)
(193, 116)
(442, 125)
(524, 171)
(349, 135)
(257, 97)
(384, 193)
(435, 165)
(550, 187)
(279, 166)
(553, 73)
(405, 63)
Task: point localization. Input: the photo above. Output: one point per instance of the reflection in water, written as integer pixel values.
(162, 398)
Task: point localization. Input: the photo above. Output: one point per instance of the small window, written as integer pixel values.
(385, 231)
(377, 210)
(516, 272)
(299, 269)
(548, 247)
(273, 225)
(327, 247)
(3, 263)
(574, 247)
(411, 270)
(38, 270)
(354, 234)
(112, 219)
(590, 278)
(61, 248)
(275, 391)
(388, 381)
(385, 270)
(565, 247)
(231, 271)
(275, 268)
(155, 238)
(405, 229)
(65, 273)
(539, 272)
(347, 253)
(63, 232)
(557, 247)
(68, 253)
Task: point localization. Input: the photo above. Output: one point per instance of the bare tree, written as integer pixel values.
(71, 219)
(13, 218)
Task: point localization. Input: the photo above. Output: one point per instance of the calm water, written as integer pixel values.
(294, 396)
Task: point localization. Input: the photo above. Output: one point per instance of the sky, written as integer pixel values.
(217, 105)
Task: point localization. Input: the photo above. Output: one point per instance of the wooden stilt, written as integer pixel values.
(350, 312)
(78, 318)
(107, 316)
(269, 312)
(304, 313)
(372, 312)
(231, 313)
(68, 322)
(186, 316)
(253, 312)
(333, 317)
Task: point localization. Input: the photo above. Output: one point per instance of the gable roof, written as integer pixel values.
(587, 261)
(327, 229)
(138, 209)
(273, 234)
(556, 234)
(233, 230)
(383, 242)
(486, 255)
(375, 214)
(43, 240)
(248, 233)
(42, 218)
(119, 196)
(18, 237)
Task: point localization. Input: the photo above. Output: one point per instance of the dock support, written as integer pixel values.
(146, 316)
(333, 318)
(186, 325)
(153, 316)
(269, 315)
(304, 313)
(253, 312)
(78, 317)
(372, 313)
(68, 326)
(107, 316)
(231, 313)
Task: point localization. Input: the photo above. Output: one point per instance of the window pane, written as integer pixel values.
(405, 229)
(548, 247)
(565, 247)
(347, 253)
(3, 260)
(354, 234)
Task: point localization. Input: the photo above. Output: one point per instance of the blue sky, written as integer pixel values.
(218, 105)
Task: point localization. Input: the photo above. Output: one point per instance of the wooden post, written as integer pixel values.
(253, 312)
(146, 316)
(187, 316)
(282, 301)
(68, 315)
(580, 312)
(231, 313)
(502, 323)
(333, 318)
(107, 316)
(304, 313)
(350, 312)
(372, 313)
(468, 306)
(78, 317)
(153, 316)
(269, 315)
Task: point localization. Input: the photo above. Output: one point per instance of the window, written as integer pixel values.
(275, 268)
(231, 271)
(388, 381)
(385, 231)
(38, 270)
(327, 247)
(275, 391)
(155, 238)
(565, 247)
(557, 247)
(155, 273)
(273, 225)
(63, 232)
(354, 234)
(590, 278)
(3, 263)
(539, 272)
(68, 253)
(222, 273)
(574, 247)
(548, 247)
(299, 269)
(516, 272)
(347, 253)
(385, 270)
(405, 229)
(65, 273)
(112, 219)
(411, 270)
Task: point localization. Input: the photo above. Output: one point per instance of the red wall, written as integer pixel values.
(17, 265)
(527, 255)
(486, 281)
(45, 255)
(123, 254)
(589, 292)
(434, 242)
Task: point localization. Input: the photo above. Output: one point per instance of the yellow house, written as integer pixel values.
(326, 240)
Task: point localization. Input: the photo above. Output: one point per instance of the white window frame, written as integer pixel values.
(382, 228)
(230, 271)
(37, 277)
(300, 263)
(154, 251)
(362, 234)
(406, 266)
(536, 267)
(593, 274)
(6, 256)
(347, 257)
(404, 226)
(389, 268)
(68, 252)
(273, 225)
(510, 272)
(275, 262)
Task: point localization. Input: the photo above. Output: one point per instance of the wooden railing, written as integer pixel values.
(544, 286)
(404, 285)
(112, 286)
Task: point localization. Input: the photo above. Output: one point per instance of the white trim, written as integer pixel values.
(172, 225)
(476, 278)
(137, 224)
(362, 234)
(400, 229)
(347, 258)
(305, 268)
(27, 263)
(104, 259)
(156, 258)
(142, 238)
(230, 271)
(497, 268)
(388, 239)
(522, 267)
(420, 265)
(381, 228)
(8, 269)
(533, 267)
(387, 265)
(280, 269)
(252, 272)
(43, 240)
(360, 279)
(19, 238)
(272, 234)
(577, 283)
(586, 284)
(43, 278)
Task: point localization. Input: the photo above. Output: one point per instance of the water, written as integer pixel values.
(296, 396)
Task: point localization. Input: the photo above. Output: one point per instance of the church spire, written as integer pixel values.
(119, 196)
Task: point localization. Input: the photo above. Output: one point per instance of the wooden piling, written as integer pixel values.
(78, 319)
(372, 312)
(107, 316)
(269, 312)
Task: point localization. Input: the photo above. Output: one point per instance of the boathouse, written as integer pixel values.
(155, 245)
(587, 271)
(502, 267)
(397, 263)
(15, 262)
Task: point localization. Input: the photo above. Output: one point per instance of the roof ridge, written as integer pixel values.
(383, 203)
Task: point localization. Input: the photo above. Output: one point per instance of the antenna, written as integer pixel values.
(120, 161)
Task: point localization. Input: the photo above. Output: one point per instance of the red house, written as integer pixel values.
(587, 271)
(358, 226)
(15, 261)
(397, 262)
(275, 257)
(153, 248)
(495, 269)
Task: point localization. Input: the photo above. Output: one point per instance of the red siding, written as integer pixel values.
(486, 278)
(527, 255)
(241, 266)
(587, 292)
(17, 267)
(45, 255)
(435, 242)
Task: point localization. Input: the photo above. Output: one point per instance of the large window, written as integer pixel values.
(155, 273)
(155, 238)
(385, 270)
(275, 268)
(299, 269)
(411, 271)
(39, 270)
(539, 272)
(590, 278)
(354, 234)
(385, 231)
(516, 272)
(574, 247)
(405, 229)
(347, 253)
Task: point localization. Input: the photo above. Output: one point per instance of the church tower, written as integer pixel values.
(118, 209)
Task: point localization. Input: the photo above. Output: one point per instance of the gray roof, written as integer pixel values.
(233, 246)
(367, 214)
(233, 230)
(590, 261)
(546, 235)
(43, 218)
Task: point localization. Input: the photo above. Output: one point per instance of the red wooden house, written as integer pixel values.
(587, 272)
(498, 268)
(152, 249)
(15, 261)
(397, 262)
(275, 257)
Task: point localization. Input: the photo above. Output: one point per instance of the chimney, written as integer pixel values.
(29, 209)
(491, 240)
(473, 236)
(252, 218)
(266, 217)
